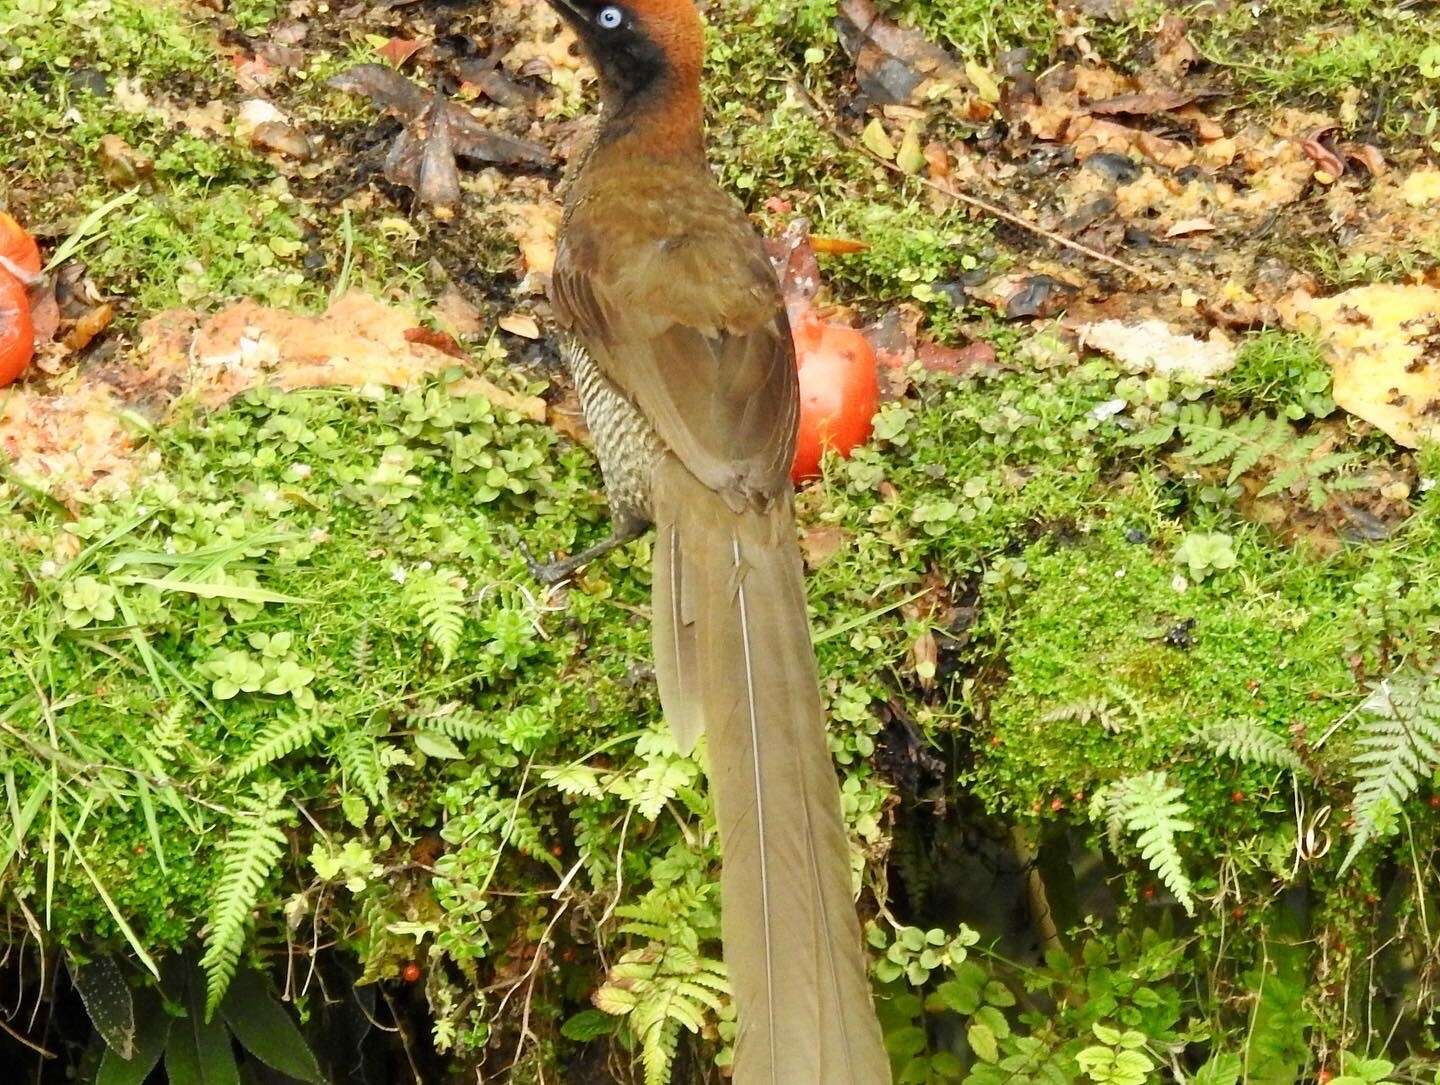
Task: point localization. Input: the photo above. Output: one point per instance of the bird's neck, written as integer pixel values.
(662, 121)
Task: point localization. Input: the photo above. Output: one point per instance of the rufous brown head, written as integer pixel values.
(648, 53)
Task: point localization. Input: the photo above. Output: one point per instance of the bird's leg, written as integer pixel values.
(626, 529)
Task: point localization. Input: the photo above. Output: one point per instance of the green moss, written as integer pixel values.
(149, 37)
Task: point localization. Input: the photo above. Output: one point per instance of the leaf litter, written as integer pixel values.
(1208, 213)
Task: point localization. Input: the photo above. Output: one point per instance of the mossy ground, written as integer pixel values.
(1004, 628)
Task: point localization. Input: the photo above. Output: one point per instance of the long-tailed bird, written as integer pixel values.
(680, 349)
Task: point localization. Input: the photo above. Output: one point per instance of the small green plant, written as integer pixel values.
(1206, 552)
(1152, 811)
(1252, 441)
(250, 856)
(660, 990)
(1118, 1059)
(1250, 742)
(1399, 747)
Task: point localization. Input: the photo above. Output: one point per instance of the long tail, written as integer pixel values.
(734, 659)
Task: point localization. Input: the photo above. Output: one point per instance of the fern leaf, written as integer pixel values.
(1207, 440)
(1153, 436)
(457, 721)
(249, 854)
(359, 755)
(284, 736)
(440, 605)
(1398, 746)
(1153, 811)
(168, 735)
(657, 1051)
(1250, 742)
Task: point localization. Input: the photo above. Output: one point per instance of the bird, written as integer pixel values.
(676, 335)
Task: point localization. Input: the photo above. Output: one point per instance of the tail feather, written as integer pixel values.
(734, 658)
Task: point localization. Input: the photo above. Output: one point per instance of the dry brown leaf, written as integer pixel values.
(1190, 227)
(1383, 344)
(398, 50)
(1146, 102)
(441, 341)
(454, 310)
(533, 227)
(819, 544)
(89, 326)
(521, 324)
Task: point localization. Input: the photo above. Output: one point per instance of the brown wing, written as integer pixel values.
(665, 282)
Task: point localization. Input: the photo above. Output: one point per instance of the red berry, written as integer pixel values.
(1056, 805)
(1237, 796)
(410, 973)
(1435, 802)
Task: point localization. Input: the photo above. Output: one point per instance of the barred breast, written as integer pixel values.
(625, 443)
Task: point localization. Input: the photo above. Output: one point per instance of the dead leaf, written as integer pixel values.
(893, 64)
(1150, 101)
(122, 165)
(1151, 346)
(877, 140)
(1190, 227)
(925, 655)
(44, 311)
(1381, 341)
(398, 50)
(1038, 296)
(253, 73)
(521, 324)
(957, 360)
(435, 133)
(441, 341)
(491, 80)
(566, 417)
(455, 311)
(819, 544)
(532, 408)
(1369, 156)
(357, 341)
(283, 139)
(89, 326)
(1326, 161)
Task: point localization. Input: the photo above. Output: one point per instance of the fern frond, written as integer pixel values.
(1398, 747)
(1085, 710)
(284, 736)
(440, 605)
(359, 755)
(457, 721)
(168, 735)
(657, 1051)
(659, 990)
(1250, 742)
(1250, 441)
(1152, 811)
(249, 854)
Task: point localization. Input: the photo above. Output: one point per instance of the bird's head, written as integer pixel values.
(648, 53)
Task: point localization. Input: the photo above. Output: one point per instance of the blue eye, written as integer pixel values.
(610, 17)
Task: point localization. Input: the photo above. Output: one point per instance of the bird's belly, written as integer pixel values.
(625, 442)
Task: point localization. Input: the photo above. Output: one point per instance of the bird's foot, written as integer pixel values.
(547, 572)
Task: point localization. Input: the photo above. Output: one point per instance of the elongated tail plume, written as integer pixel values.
(734, 657)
